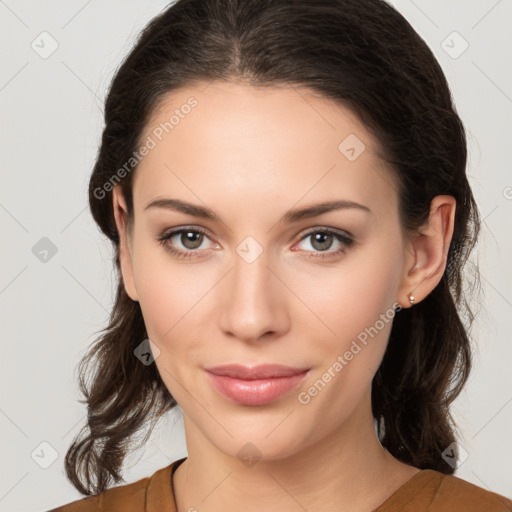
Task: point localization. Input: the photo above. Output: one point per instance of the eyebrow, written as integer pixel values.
(289, 217)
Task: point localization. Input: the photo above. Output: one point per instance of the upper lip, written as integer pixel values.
(264, 371)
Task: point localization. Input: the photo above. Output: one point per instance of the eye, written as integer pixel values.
(322, 239)
(190, 238)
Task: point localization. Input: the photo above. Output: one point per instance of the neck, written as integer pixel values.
(347, 470)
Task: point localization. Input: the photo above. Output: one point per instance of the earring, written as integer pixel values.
(411, 299)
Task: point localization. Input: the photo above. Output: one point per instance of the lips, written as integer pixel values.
(259, 385)
(266, 371)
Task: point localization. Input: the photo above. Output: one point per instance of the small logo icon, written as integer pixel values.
(351, 147)
(249, 250)
(452, 453)
(454, 45)
(147, 352)
(44, 45)
(249, 454)
(44, 455)
(44, 250)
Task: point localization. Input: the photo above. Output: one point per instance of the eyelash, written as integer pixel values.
(347, 241)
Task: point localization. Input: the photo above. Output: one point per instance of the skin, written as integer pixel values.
(251, 155)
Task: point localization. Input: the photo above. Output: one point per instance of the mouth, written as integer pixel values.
(259, 385)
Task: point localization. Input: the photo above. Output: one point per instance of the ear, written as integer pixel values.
(125, 250)
(427, 252)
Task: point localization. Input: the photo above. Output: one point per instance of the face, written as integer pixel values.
(253, 284)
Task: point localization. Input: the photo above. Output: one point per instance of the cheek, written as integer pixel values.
(156, 289)
(361, 320)
(339, 312)
(170, 300)
(355, 311)
(172, 297)
(351, 297)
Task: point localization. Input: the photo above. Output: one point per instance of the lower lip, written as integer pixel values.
(255, 392)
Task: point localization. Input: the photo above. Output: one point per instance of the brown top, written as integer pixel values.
(426, 491)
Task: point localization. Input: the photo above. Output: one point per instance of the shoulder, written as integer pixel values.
(154, 492)
(125, 498)
(449, 491)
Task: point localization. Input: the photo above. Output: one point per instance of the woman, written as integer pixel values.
(284, 185)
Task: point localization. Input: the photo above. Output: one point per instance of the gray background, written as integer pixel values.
(53, 303)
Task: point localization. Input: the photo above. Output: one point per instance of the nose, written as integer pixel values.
(253, 301)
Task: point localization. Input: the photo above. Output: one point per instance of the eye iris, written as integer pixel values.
(191, 237)
(321, 237)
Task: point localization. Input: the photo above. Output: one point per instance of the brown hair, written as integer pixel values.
(364, 55)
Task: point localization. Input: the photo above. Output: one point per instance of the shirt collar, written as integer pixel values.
(160, 490)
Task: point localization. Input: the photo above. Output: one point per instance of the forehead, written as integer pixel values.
(281, 143)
